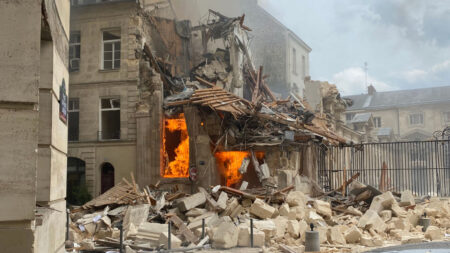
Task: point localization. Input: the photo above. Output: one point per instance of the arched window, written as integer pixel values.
(107, 178)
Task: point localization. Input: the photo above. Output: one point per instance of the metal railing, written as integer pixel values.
(420, 166)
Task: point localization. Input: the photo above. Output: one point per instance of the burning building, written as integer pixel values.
(172, 115)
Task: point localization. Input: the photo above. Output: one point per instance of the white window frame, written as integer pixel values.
(74, 44)
(294, 60)
(375, 122)
(113, 46)
(414, 114)
(100, 137)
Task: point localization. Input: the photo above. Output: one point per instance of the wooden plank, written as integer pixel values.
(210, 99)
(225, 102)
(182, 102)
(203, 81)
(184, 230)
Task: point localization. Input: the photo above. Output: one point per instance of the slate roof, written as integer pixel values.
(401, 98)
(361, 117)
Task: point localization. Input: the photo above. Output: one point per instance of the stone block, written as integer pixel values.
(353, 235)
(284, 210)
(281, 225)
(398, 211)
(192, 201)
(335, 236)
(407, 239)
(323, 208)
(262, 210)
(303, 227)
(135, 215)
(244, 237)
(434, 233)
(323, 234)
(293, 228)
(175, 242)
(383, 201)
(266, 226)
(371, 219)
(407, 198)
(195, 212)
(296, 198)
(51, 174)
(402, 224)
(222, 200)
(314, 218)
(226, 236)
(386, 215)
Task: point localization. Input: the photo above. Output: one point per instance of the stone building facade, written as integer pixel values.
(33, 98)
(402, 115)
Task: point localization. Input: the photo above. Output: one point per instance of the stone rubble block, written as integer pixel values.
(353, 235)
(293, 228)
(296, 198)
(386, 215)
(434, 233)
(284, 210)
(314, 218)
(192, 201)
(175, 242)
(262, 210)
(226, 236)
(267, 226)
(335, 236)
(323, 208)
(408, 239)
(382, 202)
(222, 200)
(244, 237)
(407, 198)
(281, 226)
(371, 219)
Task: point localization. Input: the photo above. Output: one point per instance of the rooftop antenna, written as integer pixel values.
(366, 70)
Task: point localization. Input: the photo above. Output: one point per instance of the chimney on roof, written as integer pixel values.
(371, 90)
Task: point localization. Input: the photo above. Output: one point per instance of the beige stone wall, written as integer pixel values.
(90, 21)
(121, 155)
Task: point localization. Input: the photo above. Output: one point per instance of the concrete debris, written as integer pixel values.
(407, 199)
(280, 221)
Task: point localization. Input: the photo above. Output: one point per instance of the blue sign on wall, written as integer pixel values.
(63, 102)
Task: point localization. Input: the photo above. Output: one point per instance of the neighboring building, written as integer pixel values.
(404, 114)
(33, 100)
(283, 54)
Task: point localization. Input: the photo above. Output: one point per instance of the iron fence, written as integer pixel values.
(420, 166)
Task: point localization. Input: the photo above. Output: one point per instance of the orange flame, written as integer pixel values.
(229, 163)
(178, 167)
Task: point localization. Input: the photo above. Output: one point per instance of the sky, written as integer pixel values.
(406, 43)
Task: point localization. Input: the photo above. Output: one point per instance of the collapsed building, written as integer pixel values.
(174, 116)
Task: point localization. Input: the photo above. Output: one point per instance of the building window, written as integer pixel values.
(446, 117)
(416, 119)
(294, 61)
(74, 119)
(304, 66)
(109, 119)
(349, 116)
(74, 51)
(377, 122)
(111, 49)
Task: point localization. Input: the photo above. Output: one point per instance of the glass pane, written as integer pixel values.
(107, 56)
(105, 103)
(117, 55)
(115, 103)
(75, 37)
(117, 64)
(107, 47)
(74, 118)
(117, 46)
(111, 35)
(107, 65)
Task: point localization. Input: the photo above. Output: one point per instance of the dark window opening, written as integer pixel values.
(74, 51)
(77, 192)
(107, 179)
(110, 119)
(74, 119)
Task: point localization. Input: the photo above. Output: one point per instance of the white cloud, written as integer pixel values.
(352, 81)
(416, 75)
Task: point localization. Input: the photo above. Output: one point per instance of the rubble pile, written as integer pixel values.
(280, 219)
